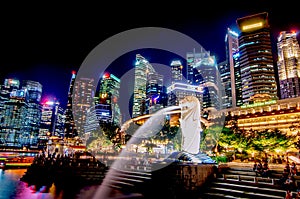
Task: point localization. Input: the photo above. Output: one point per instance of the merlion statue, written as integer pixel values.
(190, 124)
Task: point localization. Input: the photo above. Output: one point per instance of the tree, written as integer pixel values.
(232, 122)
(256, 141)
(211, 138)
(272, 140)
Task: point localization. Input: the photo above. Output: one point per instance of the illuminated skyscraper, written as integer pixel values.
(14, 124)
(207, 76)
(224, 70)
(108, 99)
(52, 120)
(227, 70)
(20, 113)
(176, 70)
(256, 59)
(178, 91)
(93, 118)
(83, 99)
(237, 79)
(192, 59)
(154, 93)
(6, 89)
(70, 130)
(288, 64)
(34, 110)
(142, 68)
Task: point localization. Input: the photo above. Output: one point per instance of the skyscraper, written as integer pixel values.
(14, 125)
(207, 76)
(6, 89)
(237, 80)
(34, 110)
(154, 92)
(176, 70)
(83, 99)
(70, 130)
(108, 99)
(192, 59)
(52, 120)
(227, 71)
(224, 70)
(288, 64)
(142, 68)
(178, 91)
(256, 59)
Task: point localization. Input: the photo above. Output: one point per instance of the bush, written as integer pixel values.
(218, 159)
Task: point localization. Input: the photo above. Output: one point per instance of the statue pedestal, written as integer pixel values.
(180, 179)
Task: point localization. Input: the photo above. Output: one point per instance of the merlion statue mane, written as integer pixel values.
(190, 124)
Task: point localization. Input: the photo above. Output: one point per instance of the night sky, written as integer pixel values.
(46, 42)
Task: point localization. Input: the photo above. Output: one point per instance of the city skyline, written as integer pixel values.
(48, 52)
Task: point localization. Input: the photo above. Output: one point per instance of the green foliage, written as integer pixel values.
(167, 131)
(222, 138)
(270, 141)
(219, 159)
(210, 137)
(110, 130)
(99, 142)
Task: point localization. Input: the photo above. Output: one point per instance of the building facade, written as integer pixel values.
(142, 69)
(20, 113)
(207, 76)
(176, 72)
(154, 93)
(256, 59)
(34, 91)
(283, 115)
(83, 100)
(52, 120)
(107, 104)
(14, 126)
(227, 70)
(288, 64)
(70, 129)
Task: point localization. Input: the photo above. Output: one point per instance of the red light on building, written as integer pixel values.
(106, 75)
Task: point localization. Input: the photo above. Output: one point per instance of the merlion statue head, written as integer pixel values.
(190, 107)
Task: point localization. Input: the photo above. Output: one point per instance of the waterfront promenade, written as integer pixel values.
(241, 176)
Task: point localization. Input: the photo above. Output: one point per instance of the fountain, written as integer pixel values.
(188, 166)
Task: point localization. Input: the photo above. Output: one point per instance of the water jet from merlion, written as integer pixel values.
(190, 127)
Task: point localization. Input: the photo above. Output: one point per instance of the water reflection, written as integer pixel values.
(11, 187)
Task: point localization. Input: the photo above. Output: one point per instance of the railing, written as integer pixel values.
(254, 179)
(137, 167)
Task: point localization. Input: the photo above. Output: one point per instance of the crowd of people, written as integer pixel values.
(261, 169)
(287, 180)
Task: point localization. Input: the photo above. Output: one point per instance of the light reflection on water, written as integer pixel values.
(12, 188)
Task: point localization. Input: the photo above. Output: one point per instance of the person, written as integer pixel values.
(297, 195)
(282, 179)
(265, 170)
(288, 194)
(254, 166)
(293, 169)
(289, 183)
(287, 169)
(259, 169)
